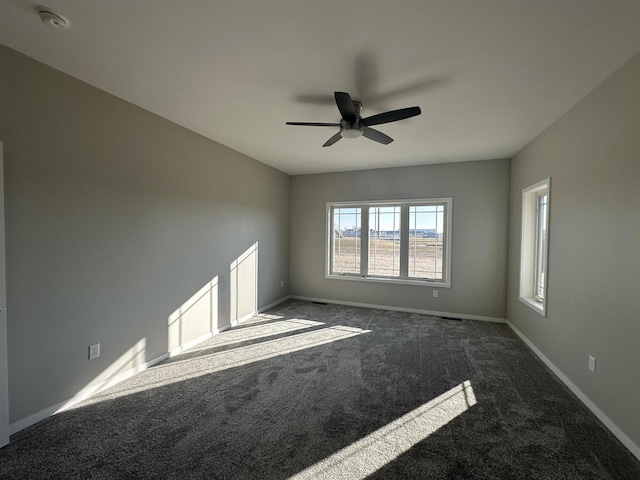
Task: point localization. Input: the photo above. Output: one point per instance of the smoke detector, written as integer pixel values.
(53, 19)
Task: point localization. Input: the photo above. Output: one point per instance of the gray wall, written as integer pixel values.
(115, 218)
(592, 155)
(480, 192)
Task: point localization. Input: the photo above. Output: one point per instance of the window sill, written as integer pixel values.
(393, 281)
(534, 305)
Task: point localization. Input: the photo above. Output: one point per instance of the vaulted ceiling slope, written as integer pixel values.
(489, 75)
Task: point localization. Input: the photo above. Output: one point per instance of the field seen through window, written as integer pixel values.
(425, 257)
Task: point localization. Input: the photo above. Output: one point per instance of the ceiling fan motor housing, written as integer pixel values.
(351, 130)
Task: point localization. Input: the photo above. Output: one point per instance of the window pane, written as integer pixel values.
(426, 241)
(346, 240)
(384, 241)
(541, 242)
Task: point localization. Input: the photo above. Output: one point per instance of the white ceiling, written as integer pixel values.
(489, 75)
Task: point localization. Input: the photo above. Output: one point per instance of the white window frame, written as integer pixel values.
(404, 241)
(529, 249)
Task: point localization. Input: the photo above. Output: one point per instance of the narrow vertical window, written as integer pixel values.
(384, 241)
(346, 240)
(535, 246)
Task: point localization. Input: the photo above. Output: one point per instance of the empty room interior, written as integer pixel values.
(295, 239)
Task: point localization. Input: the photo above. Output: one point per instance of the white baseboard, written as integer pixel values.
(620, 435)
(403, 309)
(273, 304)
(192, 343)
(244, 318)
(196, 341)
(260, 310)
(83, 395)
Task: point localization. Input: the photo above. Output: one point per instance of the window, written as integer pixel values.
(426, 241)
(346, 240)
(384, 241)
(535, 245)
(401, 241)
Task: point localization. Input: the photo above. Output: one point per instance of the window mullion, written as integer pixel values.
(364, 241)
(404, 241)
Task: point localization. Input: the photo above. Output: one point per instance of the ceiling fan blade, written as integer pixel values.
(314, 124)
(392, 116)
(345, 105)
(332, 140)
(376, 136)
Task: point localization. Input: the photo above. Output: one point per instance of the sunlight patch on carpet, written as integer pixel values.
(369, 454)
(255, 332)
(206, 364)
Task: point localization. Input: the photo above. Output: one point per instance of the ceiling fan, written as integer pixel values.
(352, 125)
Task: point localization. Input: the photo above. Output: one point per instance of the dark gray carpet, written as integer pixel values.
(326, 391)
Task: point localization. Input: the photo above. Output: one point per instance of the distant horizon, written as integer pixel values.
(388, 219)
(388, 234)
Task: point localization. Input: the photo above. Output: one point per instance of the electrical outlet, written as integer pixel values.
(592, 363)
(281, 283)
(435, 294)
(94, 351)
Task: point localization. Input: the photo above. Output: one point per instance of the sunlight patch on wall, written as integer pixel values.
(243, 273)
(196, 317)
(371, 453)
(129, 363)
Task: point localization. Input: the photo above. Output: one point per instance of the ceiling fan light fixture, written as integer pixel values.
(351, 131)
